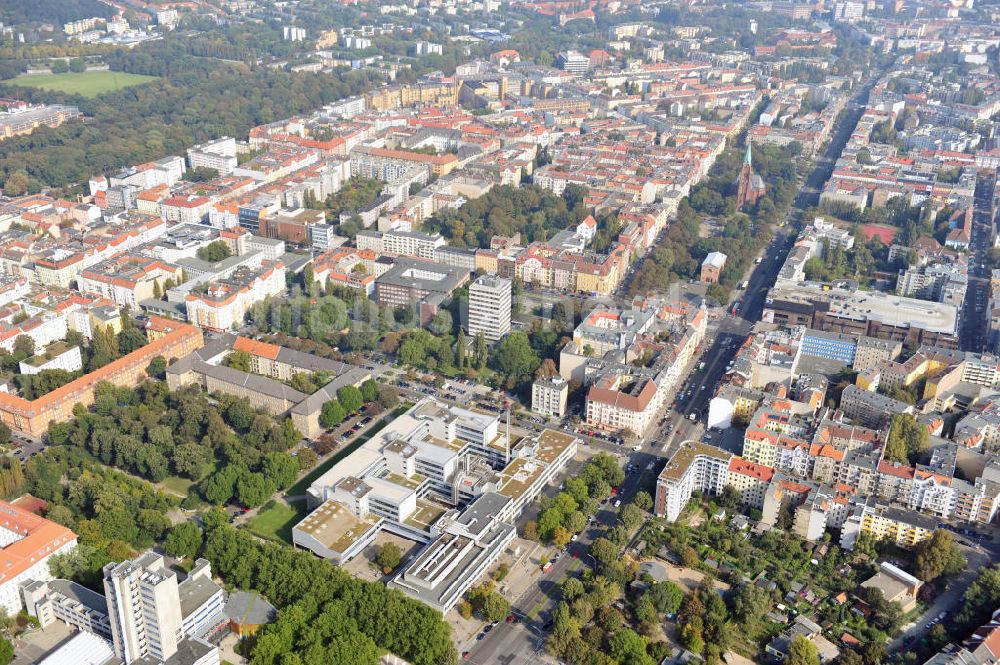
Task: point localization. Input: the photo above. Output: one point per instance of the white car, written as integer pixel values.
(636, 448)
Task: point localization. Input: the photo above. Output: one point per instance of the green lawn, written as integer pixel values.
(177, 485)
(87, 84)
(276, 521)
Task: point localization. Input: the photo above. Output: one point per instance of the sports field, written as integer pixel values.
(88, 84)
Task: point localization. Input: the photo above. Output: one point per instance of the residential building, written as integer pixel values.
(870, 408)
(128, 279)
(695, 467)
(170, 339)
(27, 541)
(905, 528)
(623, 401)
(219, 155)
(489, 307)
(548, 396)
(224, 303)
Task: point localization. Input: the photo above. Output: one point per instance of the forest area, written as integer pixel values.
(16, 12)
(193, 100)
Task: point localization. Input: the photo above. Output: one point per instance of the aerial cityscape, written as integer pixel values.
(533, 332)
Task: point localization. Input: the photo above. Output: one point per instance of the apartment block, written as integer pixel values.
(489, 307)
(224, 303)
(548, 396)
(128, 280)
(695, 467)
(169, 339)
(27, 541)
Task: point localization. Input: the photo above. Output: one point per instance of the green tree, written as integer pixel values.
(628, 648)
(16, 184)
(565, 629)
(480, 352)
(907, 440)
(332, 414)
(388, 557)
(190, 460)
(495, 607)
(369, 391)
(183, 540)
(604, 551)
(643, 500)
(514, 357)
(460, 344)
(666, 597)
(981, 598)
(691, 634)
(253, 489)
(442, 323)
(350, 398)
(281, 469)
(240, 360)
(388, 397)
(6, 651)
(801, 651)
(571, 588)
(103, 347)
(937, 555)
(214, 252)
(157, 367)
(630, 516)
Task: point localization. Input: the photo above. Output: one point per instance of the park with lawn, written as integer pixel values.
(275, 520)
(86, 84)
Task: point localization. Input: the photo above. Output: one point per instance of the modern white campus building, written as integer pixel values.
(419, 478)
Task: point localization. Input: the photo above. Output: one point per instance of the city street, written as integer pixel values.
(523, 642)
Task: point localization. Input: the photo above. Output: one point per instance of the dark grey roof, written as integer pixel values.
(79, 593)
(254, 382)
(482, 512)
(249, 608)
(195, 592)
(190, 650)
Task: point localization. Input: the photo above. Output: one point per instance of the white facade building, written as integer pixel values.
(490, 307)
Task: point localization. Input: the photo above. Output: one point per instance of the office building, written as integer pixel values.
(413, 281)
(471, 541)
(574, 62)
(489, 307)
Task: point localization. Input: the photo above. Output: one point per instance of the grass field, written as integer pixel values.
(177, 485)
(87, 84)
(276, 521)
